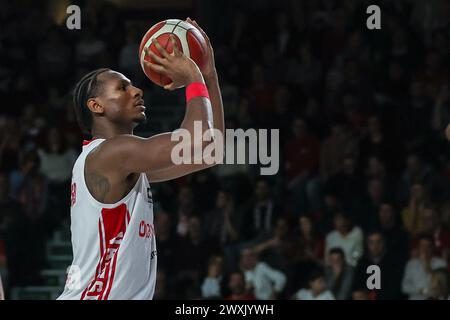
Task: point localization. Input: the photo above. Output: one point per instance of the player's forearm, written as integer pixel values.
(198, 109)
(212, 82)
(198, 120)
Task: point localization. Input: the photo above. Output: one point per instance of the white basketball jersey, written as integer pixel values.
(114, 245)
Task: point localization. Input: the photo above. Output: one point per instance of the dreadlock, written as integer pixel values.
(88, 87)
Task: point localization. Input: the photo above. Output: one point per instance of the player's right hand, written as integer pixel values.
(178, 67)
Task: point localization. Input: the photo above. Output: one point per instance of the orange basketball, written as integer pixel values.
(189, 40)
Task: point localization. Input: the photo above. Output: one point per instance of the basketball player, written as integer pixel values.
(112, 229)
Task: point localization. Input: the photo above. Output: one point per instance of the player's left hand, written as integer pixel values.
(209, 68)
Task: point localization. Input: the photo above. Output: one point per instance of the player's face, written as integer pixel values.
(122, 102)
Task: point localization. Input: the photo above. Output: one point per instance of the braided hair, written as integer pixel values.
(88, 87)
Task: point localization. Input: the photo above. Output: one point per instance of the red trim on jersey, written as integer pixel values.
(86, 142)
(112, 228)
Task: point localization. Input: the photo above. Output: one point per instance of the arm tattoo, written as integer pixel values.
(98, 185)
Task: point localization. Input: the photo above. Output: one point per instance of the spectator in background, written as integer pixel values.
(278, 249)
(396, 237)
(261, 95)
(33, 197)
(339, 275)
(366, 212)
(375, 143)
(309, 245)
(213, 286)
(57, 161)
(192, 253)
(223, 223)
(237, 287)
(416, 172)
(317, 288)
(265, 282)
(336, 147)
(346, 236)
(348, 184)
(89, 49)
(167, 243)
(433, 227)
(184, 209)
(260, 217)
(304, 70)
(128, 63)
(439, 285)
(14, 234)
(412, 212)
(417, 277)
(390, 265)
(56, 53)
(301, 154)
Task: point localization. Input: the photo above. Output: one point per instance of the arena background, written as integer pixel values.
(361, 114)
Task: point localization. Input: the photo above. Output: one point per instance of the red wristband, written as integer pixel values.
(196, 89)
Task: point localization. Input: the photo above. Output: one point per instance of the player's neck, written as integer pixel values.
(110, 131)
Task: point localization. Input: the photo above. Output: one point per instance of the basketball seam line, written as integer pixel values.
(178, 26)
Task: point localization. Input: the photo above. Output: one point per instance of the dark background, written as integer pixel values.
(361, 115)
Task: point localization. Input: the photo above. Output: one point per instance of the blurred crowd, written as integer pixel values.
(364, 173)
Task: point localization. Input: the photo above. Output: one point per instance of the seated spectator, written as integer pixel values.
(212, 286)
(192, 253)
(440, 285)
(317, 288)
(335, 148)
(301, 155)
(411, 213)
(168, 242)
(431, 225)
(261, 213)
(57, 161)
(266, 283)
(338, 274)
(236, 285)
(278, 250)
(347, 237)
(417, 277)
(347, 184)
(309, 246)
(311, 242)
(389, 263)
(395, 236)
(184, 209)
(223, 223)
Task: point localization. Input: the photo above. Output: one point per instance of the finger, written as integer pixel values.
(176, 50)
(155, 67)
(154, 57)
(170, 86)
(201, 30)
(160, 49)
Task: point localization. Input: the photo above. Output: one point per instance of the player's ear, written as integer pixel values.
(95, 106)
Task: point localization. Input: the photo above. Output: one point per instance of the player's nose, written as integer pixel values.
(137, 92)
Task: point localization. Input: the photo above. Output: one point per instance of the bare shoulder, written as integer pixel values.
(110, 154)
(103, 172)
